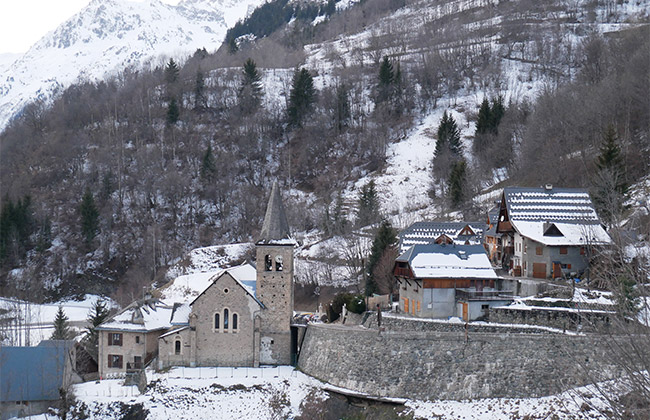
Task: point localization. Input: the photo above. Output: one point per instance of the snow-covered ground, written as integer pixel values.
(35, 321)
(279, 392)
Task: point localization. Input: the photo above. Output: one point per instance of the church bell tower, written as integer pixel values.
(274, 263)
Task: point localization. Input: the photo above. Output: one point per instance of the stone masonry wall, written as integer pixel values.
(446, 365)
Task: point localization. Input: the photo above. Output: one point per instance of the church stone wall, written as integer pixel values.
(275, 291)
(452, 365)
(224, 347)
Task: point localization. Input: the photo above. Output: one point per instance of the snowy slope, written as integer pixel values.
(108, 36)
(281, 392)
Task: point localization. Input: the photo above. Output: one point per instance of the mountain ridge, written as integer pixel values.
(107, 36)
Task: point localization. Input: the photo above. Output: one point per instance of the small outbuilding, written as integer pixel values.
(31, 377)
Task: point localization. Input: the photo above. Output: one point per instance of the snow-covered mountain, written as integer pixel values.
(109, 35)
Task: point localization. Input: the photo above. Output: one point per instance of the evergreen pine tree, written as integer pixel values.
(496, 114)
(97, 315)
(449, 136)
(171, 71)
(199, 91)
(61, 326)
(484, 122)
(301, 97)
(342, 115)
(386, 237)
(173, 113)
(251, 90)
(6, 227)
(89, 217)
(386, 81)
(611, 188)
(457, 183)
(208, 166)
(368, 210)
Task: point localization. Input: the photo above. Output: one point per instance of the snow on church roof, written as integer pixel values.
(448, 261)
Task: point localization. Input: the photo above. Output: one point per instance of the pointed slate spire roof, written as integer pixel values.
(275, 230)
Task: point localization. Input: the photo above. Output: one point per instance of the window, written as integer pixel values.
(225, 319)
(234, 321)
(525, 248)
(217, 322)
(582, 250)
(114, 339)
(563, 250)
(115, 361)
(539, 250)
(268, 263)
(177, 346)
(137, 339)
(137, 362)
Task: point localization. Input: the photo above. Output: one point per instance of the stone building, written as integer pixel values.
(548, 232)
(129, 340)
(241, 318)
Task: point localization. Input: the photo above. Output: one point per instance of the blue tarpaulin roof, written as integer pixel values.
(33, 373)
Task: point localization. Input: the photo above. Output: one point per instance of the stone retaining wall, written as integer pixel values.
(395, 323)
(446, 365)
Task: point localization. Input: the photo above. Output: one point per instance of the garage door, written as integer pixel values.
(539, 270)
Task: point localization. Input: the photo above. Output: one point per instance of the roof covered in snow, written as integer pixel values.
(554, 216)
(448, 261)
(147, 316)
(422, 233)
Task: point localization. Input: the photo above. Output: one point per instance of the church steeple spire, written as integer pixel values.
(275, 229)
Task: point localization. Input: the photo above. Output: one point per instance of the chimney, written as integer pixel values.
(548, 187)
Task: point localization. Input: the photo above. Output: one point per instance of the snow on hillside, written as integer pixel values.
(406, 180)
(210, 259)
(108, 36)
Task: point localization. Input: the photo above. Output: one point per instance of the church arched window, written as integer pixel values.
(225, 319)
(268, 263)
(217, 321)
(235, 321)
(177, 346)
(278, 263)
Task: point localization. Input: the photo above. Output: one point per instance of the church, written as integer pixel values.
(243, 318)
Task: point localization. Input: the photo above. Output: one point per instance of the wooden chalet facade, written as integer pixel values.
(441, 281)
(548, 232)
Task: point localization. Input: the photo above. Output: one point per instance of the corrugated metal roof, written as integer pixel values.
(422, 233)
(33, 373)
(568, 205)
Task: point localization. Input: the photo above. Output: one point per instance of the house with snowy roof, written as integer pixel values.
(548, 232)
(129, 340)
(444, 280)
(439, 232)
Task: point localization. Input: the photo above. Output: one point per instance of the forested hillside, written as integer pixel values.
(116, 180)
